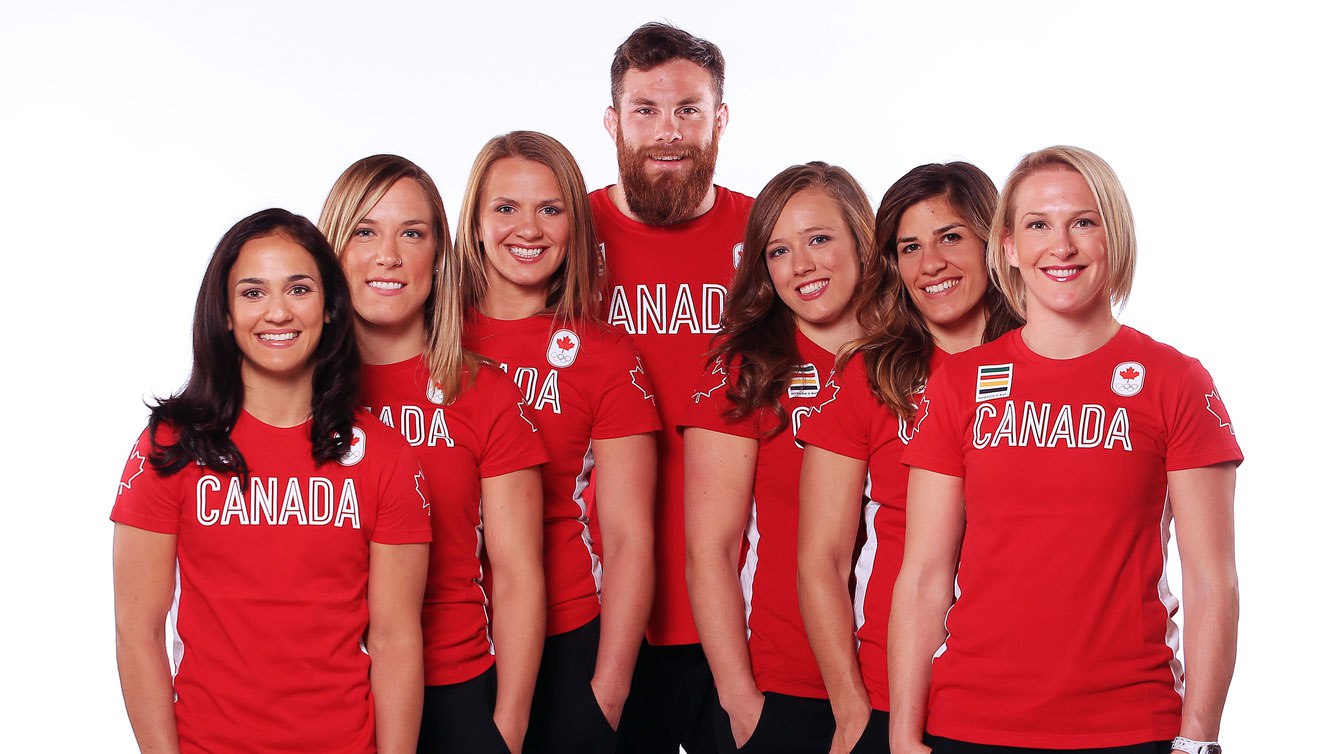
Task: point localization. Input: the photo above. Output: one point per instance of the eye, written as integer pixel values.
(1086, 222)
(689, 111)
(1036, 225)
(819, 240)
(505, 209)
(300, 290)
(952, 237)
(363, 233)
(252, 293)
(776, 251)
(413, 233)
(643, 111)
(551, 210)
(911, 248)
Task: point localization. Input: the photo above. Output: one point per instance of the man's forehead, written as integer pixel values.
(680, 81)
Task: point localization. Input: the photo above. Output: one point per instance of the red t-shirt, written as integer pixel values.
(1062, 635)
(483, 433)
(858, 425)
(666, 286)
(270, 611)
(778, 650)
(581, 383)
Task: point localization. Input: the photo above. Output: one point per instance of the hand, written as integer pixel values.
(851, 724)
(744, 714)
(513, 732)
(611, 698)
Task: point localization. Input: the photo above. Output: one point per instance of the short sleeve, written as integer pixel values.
(145, 498)
(844, 425)
(625, 405)
(709, 404)
(403, 504)
(1200, 432)
(512, 442)
(937, 429)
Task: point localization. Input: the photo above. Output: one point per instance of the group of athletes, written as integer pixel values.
(784, 474)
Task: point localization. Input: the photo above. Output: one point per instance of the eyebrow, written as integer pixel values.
(507, 200)
(370, 221)
(290, 279)
(936, 232)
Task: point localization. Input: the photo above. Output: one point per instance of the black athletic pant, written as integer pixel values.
(564, 715)
(875, 738)
(786, 725)
(459, 717)
(670, 703)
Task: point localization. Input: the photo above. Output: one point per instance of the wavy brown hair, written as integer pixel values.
(898, 349)
(757, 337)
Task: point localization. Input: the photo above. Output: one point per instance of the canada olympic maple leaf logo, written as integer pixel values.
(1129, 373)
(135, 455)
(633, 373)
(718, 367)
(1215, 405)
(565, 343)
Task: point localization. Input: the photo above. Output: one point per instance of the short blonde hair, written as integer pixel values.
(1113, 209)
(353, 196)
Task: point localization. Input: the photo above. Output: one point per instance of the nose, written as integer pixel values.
(1063, 246)
(387, 254)
(802, 262)
(667, 128)
(527, 227)
(278, 310)
(932, 259)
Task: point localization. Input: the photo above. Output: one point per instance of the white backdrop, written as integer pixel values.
(134, 134)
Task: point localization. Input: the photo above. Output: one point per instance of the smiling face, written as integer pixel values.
(942, 263)
(812, 260)
(524, 227)
(389, 259)
(276, 310)
(666, 129)
(1059, 245)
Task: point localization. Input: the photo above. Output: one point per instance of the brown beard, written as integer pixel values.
(668, 199)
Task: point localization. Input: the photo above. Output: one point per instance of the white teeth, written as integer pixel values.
(1063, 274)
(278, 336)
(941, 287)
(525, 253)
(385, 285)
(815, 287)
(667, 159)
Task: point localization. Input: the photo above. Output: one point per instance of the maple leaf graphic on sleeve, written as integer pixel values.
(1215, 405)
(565, 343)
(1129, 373)
(133, 469)
(923, 411)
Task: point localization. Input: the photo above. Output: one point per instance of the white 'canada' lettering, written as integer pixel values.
(1036, 426)
(263, 503)
(650, 310)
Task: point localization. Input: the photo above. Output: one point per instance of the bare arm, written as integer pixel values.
(144, 573)
(512, 536)
(1202, 504)
(396, 575)
(627, 468)
(718, 485)
(921, 596)
(830, 511)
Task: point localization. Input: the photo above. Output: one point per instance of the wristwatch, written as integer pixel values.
(1181, 743)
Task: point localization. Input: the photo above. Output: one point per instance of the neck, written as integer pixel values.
(388, 344)
(831, 336)
(277, 401)
(503, 300)
(1060, 337)
(616, 195)
(959, 336)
